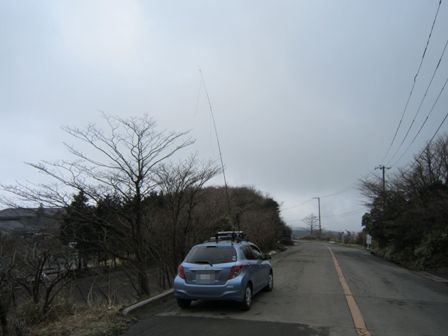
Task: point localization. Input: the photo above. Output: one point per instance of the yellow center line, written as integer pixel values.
(358, 320)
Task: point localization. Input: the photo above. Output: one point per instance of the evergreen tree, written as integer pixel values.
(78, 228)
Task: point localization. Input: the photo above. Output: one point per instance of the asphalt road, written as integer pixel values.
(308, 299)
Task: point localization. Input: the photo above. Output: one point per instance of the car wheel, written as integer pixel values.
(183, 303)
(247, 299)
(270, 286)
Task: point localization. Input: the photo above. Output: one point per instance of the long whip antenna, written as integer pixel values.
(219, 148)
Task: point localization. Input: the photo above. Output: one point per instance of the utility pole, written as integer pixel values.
(320, 221)
(383, 168)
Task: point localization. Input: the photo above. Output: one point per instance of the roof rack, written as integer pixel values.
(234, 236)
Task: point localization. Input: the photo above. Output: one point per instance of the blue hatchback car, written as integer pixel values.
(225, 268)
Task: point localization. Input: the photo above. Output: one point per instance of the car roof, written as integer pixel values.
(223, 243)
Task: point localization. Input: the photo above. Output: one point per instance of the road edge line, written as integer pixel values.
(358, 319)
(127, 310)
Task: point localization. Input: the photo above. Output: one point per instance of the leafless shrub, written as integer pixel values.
(121, 161)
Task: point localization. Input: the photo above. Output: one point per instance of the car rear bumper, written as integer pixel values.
(232, 290)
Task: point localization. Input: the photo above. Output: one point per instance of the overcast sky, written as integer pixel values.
(307, 94)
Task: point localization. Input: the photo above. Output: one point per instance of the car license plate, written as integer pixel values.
(205, 277)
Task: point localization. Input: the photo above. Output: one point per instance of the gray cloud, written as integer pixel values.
(306, 94)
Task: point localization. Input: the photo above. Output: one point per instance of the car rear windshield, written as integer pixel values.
(211, 255)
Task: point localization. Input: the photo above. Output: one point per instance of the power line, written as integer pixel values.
(348, 188)
(346, 213)
(342, 214)
(438, 129)
(341, 191)
(432, 138)
(297, 205)
(344, 190)
(424, 122)
(421, 101)
(414, 82)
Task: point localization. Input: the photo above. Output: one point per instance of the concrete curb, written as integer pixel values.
(127, 310)
(433, 277)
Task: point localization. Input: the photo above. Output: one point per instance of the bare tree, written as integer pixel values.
(311, 221)
(121, 161)
(6, 282)
(180, 185)
(43, 269)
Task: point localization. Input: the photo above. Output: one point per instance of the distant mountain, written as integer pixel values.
(30, 220)
(300, 231)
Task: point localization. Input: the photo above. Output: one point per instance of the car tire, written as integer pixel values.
(183, 303)
(270, 286)
(247, 298)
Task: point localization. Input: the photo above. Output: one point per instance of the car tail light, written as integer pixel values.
(235, 271)
(181, 272)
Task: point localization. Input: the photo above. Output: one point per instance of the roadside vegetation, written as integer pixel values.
(348, 238)
(128, 213)
(312, 231)
(408, 219)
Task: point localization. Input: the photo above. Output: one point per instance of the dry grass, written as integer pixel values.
(94, 321)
